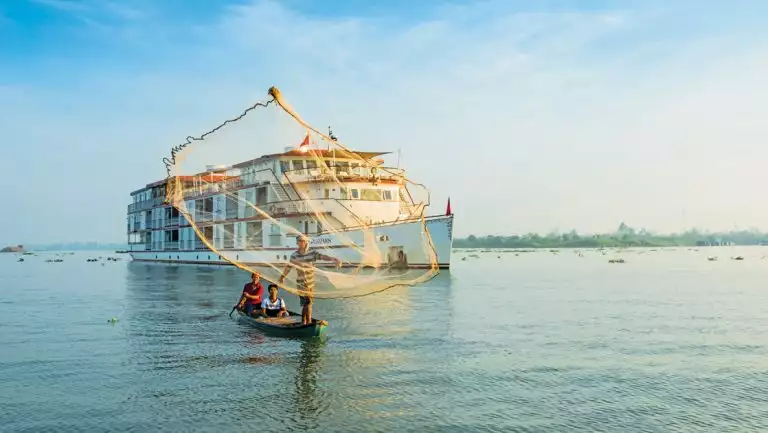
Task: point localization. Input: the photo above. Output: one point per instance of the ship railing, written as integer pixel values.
(202, 188)
(382, 224)
(359, 174)
(169, 222)
(258, 177)
(303, 207)
(252, 243)
(146, 204)
(171, 245)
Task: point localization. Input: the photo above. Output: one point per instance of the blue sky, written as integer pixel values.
(541, 117)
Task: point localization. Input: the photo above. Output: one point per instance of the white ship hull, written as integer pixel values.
(390, 240)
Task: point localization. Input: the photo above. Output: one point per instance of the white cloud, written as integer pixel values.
(530, 121)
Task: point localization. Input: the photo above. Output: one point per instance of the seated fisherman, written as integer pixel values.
(273, 306)
(252, 295)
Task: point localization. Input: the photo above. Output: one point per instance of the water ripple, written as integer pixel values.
(659, 345)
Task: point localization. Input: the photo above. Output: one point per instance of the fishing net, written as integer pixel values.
(286, 183)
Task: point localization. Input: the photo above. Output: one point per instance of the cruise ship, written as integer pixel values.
(363, 204)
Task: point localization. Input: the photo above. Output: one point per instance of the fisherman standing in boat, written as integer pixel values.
(303, 260)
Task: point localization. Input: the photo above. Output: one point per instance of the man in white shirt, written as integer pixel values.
(273, 306)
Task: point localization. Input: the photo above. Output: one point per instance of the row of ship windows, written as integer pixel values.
(197, 257)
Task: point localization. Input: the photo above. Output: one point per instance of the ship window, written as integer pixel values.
(311, 164)
(342, 167)
(261, 196)
(298, 164)
(386, 194)
(355, 193)
(285, 166)
(327, 193)
(249, 202)
(371, 194)
(343, 194)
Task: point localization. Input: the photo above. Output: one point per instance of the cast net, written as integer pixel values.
(285, 184)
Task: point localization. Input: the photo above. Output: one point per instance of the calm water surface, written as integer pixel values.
(532, 342)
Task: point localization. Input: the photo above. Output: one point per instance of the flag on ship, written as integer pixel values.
(448, 209)
(305, 142)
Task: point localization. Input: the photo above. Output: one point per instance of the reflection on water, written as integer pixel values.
(176, 323)
(667, 341)
(308, 401)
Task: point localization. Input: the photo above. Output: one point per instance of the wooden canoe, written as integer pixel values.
(289, 327)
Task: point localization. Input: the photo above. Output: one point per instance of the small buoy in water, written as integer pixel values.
(112, 320)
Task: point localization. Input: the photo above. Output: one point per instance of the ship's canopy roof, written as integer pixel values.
(214, 176)
(321, 153)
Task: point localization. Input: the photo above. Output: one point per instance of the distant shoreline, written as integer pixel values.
(527, 249)
(75, 247)
(624, 237)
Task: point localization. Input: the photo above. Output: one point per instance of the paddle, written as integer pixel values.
(239, 303)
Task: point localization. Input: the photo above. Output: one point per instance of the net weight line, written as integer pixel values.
(170, 163)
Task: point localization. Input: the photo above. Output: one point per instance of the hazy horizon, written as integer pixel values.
(579, 115)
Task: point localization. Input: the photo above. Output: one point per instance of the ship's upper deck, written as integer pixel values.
(295, 168)
(337, 160)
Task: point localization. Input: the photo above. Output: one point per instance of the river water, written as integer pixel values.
(529, 342)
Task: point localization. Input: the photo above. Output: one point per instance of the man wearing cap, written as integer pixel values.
(303, 260)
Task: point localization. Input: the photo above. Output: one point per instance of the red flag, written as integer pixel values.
(448, 209)
(305, 142)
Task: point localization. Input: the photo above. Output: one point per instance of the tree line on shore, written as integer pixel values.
(624, 236)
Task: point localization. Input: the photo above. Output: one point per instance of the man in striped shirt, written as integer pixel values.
(303, 260)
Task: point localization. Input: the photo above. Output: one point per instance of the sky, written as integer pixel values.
(532, 116)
